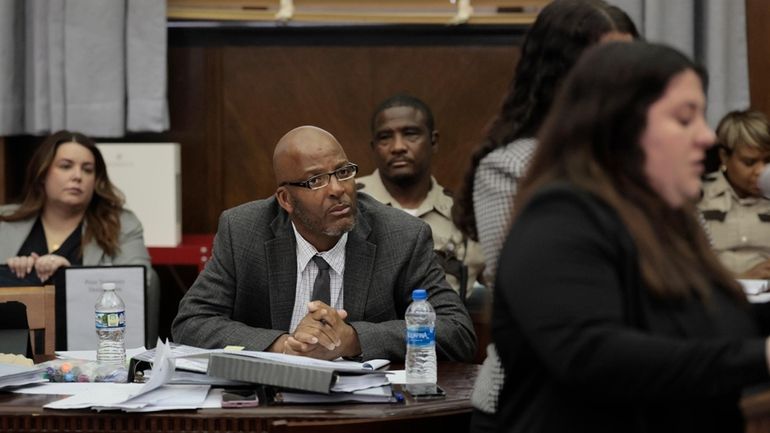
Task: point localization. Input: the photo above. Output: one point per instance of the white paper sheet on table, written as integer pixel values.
(151, 396)
(17, 375)
(756, 290)
(90, 355)
(197, 359)
(398, 377)
(168, 397)
(67, 388)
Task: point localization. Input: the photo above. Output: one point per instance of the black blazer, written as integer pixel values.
(586, 348)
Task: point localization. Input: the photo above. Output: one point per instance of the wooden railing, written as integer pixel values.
(360, 11)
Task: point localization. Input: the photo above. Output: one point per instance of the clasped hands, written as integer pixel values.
(321, 334)
(44, 266)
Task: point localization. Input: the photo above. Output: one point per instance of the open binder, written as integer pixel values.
(283, 374)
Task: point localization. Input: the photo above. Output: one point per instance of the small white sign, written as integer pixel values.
(83, 288)
(150, 176)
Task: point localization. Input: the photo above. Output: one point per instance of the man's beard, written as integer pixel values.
(403, 180)
(316, 225)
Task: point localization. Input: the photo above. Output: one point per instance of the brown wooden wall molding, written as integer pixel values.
(356, 11)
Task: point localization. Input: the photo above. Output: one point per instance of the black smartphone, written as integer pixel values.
(425, 393)
(233, 398)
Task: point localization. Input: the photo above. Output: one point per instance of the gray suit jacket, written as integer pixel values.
(245, 296)
(131, 241)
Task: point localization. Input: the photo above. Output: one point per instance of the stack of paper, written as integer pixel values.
(349, 383)
(18, 375)
(756, 290)
(379, 394)
(154, 395)
(186, 357)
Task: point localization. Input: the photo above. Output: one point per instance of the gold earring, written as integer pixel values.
(723, 168)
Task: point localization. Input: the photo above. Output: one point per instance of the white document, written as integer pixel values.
(90, 355)
(756, 290)
(66, 388)
(753, 287)
(113, 394)
(196, 359)
(186, 357)
(16, 375)
(380, 394)
(167, 397)
(84, 286)
(357, 382)
(398, 377)
(340, 365)
(129, 397)
(151, 396)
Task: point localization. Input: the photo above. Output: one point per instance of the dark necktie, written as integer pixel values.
(322, 284)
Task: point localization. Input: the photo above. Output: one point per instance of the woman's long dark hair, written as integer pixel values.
(560, 34)
(102, 216)
(591, 139)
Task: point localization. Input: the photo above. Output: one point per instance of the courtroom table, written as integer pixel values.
(24, 412)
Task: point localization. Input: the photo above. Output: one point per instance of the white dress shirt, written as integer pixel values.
(307, 272)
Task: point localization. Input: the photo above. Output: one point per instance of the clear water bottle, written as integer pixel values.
(420, 345)
(110, 326)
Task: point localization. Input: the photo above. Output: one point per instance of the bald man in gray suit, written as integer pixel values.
(257, 291)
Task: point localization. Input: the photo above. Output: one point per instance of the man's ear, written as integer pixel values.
(284, 200)
(434, 140)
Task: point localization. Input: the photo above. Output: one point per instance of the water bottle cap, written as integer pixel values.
(419, 295)
(108, 286)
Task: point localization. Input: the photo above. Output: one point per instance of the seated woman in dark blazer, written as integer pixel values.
(70, 214)
(612, 313)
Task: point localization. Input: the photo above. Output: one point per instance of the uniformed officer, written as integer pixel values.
(403, 142)
(736, 214)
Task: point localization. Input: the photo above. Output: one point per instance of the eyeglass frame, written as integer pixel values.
(306, 183)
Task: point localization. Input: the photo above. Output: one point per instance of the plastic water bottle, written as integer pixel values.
(420, 345)
(110, 326)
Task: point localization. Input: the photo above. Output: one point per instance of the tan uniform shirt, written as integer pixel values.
(436, 211)
(739, 227)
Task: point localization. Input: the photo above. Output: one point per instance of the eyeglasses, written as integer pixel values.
(321, 180)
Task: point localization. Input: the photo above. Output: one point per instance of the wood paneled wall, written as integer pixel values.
(235, 92)
(758, 41)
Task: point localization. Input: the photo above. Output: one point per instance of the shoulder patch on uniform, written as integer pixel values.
(360, 185)
(764, 217)
(448, 193)
(714, 215)
(711, 177)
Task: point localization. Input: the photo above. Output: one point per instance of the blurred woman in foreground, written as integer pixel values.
(612, 313)
(563, 30)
